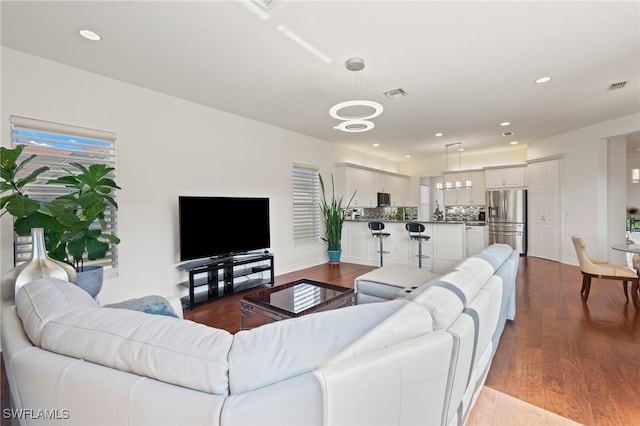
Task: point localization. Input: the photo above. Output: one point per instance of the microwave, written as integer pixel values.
(384, 199)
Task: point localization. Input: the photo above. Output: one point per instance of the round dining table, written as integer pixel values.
(631, 247)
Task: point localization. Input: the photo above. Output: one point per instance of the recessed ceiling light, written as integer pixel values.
(376, 145)
(543, 80)
(505, 123)
(89, 35)
(514, 142)
(407, 156)
(439, 134)
(460, 149)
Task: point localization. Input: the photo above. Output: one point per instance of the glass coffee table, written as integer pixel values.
(292, 300)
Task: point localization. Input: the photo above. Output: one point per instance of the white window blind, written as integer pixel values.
(56, 145)
(306, 198)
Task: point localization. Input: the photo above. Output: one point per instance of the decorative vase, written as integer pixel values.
(40, 265)
(334, 255)
(90, 279)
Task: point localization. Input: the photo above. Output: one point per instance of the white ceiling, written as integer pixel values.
(467, 66)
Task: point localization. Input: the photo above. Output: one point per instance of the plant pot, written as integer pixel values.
(90, 279)
(334, 255)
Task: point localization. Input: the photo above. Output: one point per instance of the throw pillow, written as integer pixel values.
(156, 305)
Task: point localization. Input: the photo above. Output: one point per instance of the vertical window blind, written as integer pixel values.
(306, 198)
(56, 145)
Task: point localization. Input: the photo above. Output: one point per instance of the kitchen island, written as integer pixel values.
(444, 250)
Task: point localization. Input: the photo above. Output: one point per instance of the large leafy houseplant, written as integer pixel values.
(81, 214)
(28, 213)
(333, 213)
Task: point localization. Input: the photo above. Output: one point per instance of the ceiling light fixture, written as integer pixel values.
(514, 142)
(352, 110)
(458, 183)
(355, 126)
(543, 80)
(89, 35)
(505, 123)
(356, 114)
(439, 134)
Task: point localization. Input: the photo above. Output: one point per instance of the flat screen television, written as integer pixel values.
(222, 226)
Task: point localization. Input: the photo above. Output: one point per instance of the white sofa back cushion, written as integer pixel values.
(45, 299)
(60, 317)
(289, 348)
(162, 348)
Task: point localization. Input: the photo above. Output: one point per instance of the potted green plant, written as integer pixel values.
(30, 217)
(81, 221)
(333, 214)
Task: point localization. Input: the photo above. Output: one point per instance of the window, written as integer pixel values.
(57, 145)
(306, 196)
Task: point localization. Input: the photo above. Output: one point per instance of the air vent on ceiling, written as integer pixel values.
(618, 85)
(396, 93)
(507, 134)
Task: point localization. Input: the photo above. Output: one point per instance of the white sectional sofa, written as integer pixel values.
(419, 359)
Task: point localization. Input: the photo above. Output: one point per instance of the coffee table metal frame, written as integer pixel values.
(258, 303)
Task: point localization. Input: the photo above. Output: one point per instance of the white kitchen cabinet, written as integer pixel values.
(508, 177)
(479, 190)
(544, 209)
(445, 249)
(362, 182)
(465, 196)
(367, 183)
(448, 246)
(476, 239)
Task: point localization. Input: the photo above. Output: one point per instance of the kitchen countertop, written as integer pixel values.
(439, 222)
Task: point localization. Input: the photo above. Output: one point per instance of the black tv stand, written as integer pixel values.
(219, 275)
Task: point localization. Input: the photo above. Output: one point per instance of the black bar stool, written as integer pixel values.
(415, 230)
(376, 231)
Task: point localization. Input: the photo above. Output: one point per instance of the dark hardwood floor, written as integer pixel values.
(578, 360)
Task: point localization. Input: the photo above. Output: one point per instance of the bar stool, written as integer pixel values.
(415, 230)
(376, 231)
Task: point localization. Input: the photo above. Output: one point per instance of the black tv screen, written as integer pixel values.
(219, 226)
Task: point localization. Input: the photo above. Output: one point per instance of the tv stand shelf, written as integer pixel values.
(219, 275)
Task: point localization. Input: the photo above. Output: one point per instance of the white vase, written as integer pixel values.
(40, 265)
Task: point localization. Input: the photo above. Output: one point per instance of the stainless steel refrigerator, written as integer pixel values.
(507, 218)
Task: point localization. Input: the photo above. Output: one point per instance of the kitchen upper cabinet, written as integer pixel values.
(360, 181)
(508, 177)
(464, 196)
(367, 183)
(479, 190)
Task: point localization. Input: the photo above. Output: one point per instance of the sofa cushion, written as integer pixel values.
(495, 254)
(446, 297)
(386, 282)
(156, 305)
(289, 348)
(410, 321)
(178, 352)
(44, 299)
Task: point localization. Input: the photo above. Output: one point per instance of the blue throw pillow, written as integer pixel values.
(156, 305)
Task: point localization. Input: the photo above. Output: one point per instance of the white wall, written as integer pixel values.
(586, 202)
(167, 147)
(435, 165)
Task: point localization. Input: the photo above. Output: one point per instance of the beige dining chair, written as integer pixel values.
(594, 268)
